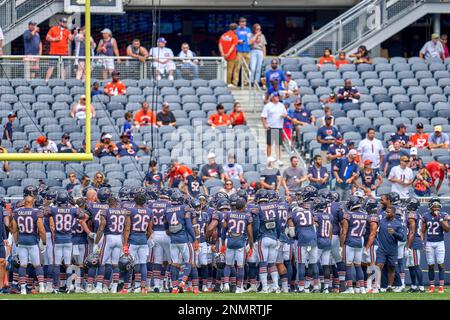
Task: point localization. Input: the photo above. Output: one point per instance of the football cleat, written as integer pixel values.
(79, 290)
(55, 291)
(441, 289)
(156, 290)
(252, 288)
(284, 290)
(195, 290)
(105, 289)
(431, 289)
(205, 289)
(96, 291)
(315, 290)
(226, 288)
(181, 285)
(89, 287)
(363, 290)
(398, 289)
(144, 290)
(124, 291)
(239, 290)
(264, 291)
(373, 291)
(349, 291)
(175, 290)
(41, 288)
(326, 291)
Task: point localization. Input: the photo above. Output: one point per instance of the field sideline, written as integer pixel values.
(230, 296)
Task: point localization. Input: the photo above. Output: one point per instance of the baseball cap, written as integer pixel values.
(353, 152)
(63, 19)
(404, 158)
(274, 61)
(434, 36)
(162, 39)
(271, 159)
(274, 94)
(195, 169)
(413, 151)
(124, 134)
(339, 137)
(419, 125)
(288, 73)
(400, 126)
(438, 128)
(65, 135)
(107, 136)
(298, 101)
(106, 30)
(83, 96)
(211, 155)
(32, 22)
(11, 114)
(367, 162)
(115, 73)
(243, 181)
(41, 139)
(328, 117)
(349, 142)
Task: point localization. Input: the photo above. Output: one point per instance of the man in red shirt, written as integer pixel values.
(144, 116)
(437, 171)
(220, 118)
(177, 173)
(227, 47)
(115, 87)
(59, 37)
(419, 139)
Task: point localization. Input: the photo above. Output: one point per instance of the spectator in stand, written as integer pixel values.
(444, 40)
(327, 58)
(212, 170)
(227, 48)
(96, 89)
(346, 173)
(26, 149)
(351, 146)
(348, 93)
(243, 47)
(273, 115)
(220, 118)
(128, 125)
(415, 163)
(326, 113)
(59, 37)
(432, 49)
(301, 116)
(237, 116)
(177, 174)
(5, 164)
(332, 98)
(438, 139)
(288, 124)
(128, 148)
(107, 47)
(189, 65)
(45, 145)
(77, 191)
(165, 117)
(341, 59)
(2, 38)
(100, 181)
(291, 86)
(78, 110)
(370, 178)
(402, 178)
(257, 53)
(73, 181)
(162, 60)
(293, 177)
(275, 74)
(419, 139)
(83, 147)
(336, 151)
(392, 159)
(401, 136)
(65, 146)
(144, 116)
(32, 47)
(371, 149)
(80, 53)
(115, 87)
(317, 174)
(233, 170)
(275, 88)
(326, 135)
(228, 187)
(153, 176)
(194, 183)
(8, 128)
(136, 51)
(362, 56)
(422, 183)
(437, 171)
(105, 147)
(270, 177)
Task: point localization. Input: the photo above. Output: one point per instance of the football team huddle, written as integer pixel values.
(149, 240)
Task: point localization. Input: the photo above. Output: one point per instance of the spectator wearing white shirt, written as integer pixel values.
(189, 65)
(402, 178)
(292, 86)
(432, 49)
(273, 115)
(45, 145)
(232, 170)
(371, 148)
(162, 60)
(1, 41)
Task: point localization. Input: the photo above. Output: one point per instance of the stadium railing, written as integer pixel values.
(12, 66)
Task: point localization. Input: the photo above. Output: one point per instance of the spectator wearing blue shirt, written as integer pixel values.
(275, 89)
(275, 74)
(301, 117)
(9, 128)
(346, 173)
(400, 135)
(348, 93)
(153, 177)
(96, 89)
(393, 157)
(243, 48)
(438, 139)
(32, 47)
(317, 174)
(326, 135)
(127, 148)
(128, 125)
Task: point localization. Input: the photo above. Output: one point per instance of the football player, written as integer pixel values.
(141, 221)
(434, 224)
(324, 233)
(50, 199)
(114, 221)
(284, 255)
(352, 230)
(370, 243)
(27, 228)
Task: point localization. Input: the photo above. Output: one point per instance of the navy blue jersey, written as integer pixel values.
(357, 221)
(78, 234)
(94, 209)
(434, 231)
(371, 218)
(336, 212)
(2, 228)
(305, 229)
(388, 243)
(417, 241)
(140, 219)
(283, 216)
(158, 208)
(203, 219)
(177, 219)
(115, 220)
(26, 219)
(194, 185)
(269, 222)
(127, 204)
(236, 230)
(324, 225)
(154, 179)
(253, 209)
(64, 219)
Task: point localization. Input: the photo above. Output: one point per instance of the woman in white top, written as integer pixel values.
(78, 111)
(80, 53)
(228, 187)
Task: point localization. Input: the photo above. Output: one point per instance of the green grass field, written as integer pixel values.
(229, 296)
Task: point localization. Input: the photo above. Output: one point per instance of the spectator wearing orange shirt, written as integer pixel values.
(115, 87)
(144, 116)
(341, 59)
(238, 117)
(227, 48)
(437, 171)
(419, 139)
(327, 58)
(177, 173)
(220, 118)
(105, 147)
(59, 37)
